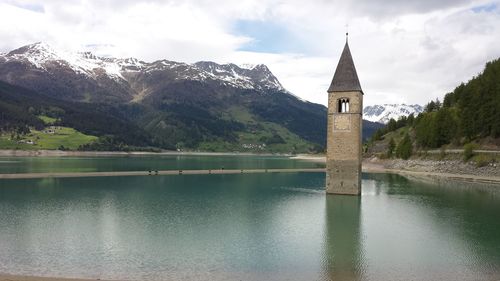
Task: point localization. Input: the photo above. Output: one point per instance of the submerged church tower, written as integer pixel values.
(345, 117)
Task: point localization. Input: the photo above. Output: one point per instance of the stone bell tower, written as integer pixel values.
(345, 117)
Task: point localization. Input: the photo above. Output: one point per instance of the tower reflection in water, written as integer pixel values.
(342, 258)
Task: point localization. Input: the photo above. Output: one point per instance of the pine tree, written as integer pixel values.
(405, 148)
(430, 107)
(391, 125)
(410, 119)
(390, 148)
(437, 104)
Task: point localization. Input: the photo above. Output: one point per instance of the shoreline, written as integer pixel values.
(14, 277)
(380, 169)
(319, 158)
(156, 173)
(70, 153)
(367, 168)
(373, 165)
(369, 165)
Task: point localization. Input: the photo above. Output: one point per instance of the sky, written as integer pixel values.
(404, 51)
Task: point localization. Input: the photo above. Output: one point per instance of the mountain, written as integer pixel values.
(204, 106)
(201, 106)
(86, 77)
(383, 113)
(20, 107)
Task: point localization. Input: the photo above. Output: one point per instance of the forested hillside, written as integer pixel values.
(471, 113)
(20, 110)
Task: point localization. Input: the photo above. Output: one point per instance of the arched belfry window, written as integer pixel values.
(343, 105)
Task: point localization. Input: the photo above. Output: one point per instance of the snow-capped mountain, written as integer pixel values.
(95, 73)
(161, 103)
(171, 104)
(384, 113)
(246, 76)
(44, 57)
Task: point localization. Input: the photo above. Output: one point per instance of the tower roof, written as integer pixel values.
(345, 78)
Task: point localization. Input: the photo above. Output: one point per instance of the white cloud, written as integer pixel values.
(405, 51)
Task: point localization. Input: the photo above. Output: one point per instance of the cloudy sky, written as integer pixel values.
(404, 51)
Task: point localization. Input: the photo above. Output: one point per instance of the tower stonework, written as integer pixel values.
(345, 119)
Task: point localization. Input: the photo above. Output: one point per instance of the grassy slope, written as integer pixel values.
(251, 141)
(64, 136)
(61, 136)
(47, 120)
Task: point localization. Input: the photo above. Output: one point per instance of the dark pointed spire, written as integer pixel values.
(345, 78)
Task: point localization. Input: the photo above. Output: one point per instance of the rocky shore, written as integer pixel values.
(434, 169)
(441, 166)
(426, 168)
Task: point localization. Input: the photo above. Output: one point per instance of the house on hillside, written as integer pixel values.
(27, 142)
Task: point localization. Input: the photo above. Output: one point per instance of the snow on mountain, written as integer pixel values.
(244, 76)
(247, 66)
(43, 57)
(383, 113)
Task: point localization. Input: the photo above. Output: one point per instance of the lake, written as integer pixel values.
(10, 165)
(242, 227)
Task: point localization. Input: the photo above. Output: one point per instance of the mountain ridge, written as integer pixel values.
(383, 113)
(43, 57)
(200, 106)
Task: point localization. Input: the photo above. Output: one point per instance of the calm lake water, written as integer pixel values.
(143, 163)
(248, 227)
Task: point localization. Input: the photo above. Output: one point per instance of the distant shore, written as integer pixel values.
(65, 153)
(156, 173)
(319, 158)
(7, 277)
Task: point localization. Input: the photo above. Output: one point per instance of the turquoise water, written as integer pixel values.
(143, 163)
(248, 227)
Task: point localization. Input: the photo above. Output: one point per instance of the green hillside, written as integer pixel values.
(52, 137)
(24, 115)
(27, 116)
(186, 116)
(469, 114)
